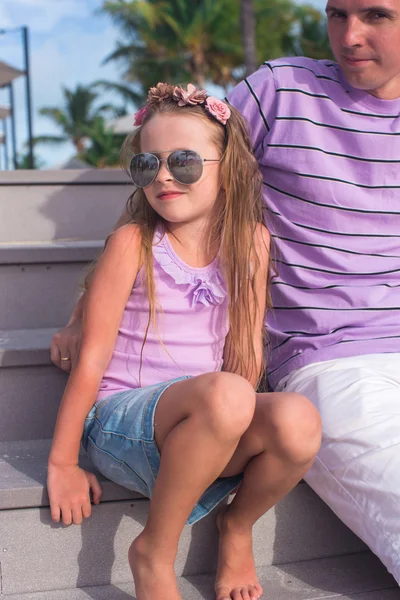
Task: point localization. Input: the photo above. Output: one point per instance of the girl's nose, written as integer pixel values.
(163, 173)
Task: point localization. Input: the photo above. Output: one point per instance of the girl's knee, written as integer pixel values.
(227, 403)
(296, 427)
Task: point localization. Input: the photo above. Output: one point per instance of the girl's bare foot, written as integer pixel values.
(154, 577)
(236, 575)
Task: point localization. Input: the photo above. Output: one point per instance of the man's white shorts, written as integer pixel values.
(357, 471)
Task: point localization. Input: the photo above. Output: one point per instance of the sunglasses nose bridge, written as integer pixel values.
(163, 172)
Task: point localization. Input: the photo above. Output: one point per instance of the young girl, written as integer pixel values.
(162, 392)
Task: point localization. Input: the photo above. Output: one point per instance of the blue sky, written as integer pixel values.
(69, 39)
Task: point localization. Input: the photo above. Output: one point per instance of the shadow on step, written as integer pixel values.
(312, 546)
(100, 558)
(97, 562)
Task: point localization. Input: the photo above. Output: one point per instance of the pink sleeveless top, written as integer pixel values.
(192, 324)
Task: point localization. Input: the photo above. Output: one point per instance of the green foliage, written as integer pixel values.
(286, 29)
(23, 161)
(77, 115)
(200, 40)
(312, 37)
(177, 41)
(104, 146)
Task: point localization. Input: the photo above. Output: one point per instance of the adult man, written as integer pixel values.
(327, 138)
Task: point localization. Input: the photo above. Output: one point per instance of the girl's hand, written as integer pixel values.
(69, 493)
(65, 345)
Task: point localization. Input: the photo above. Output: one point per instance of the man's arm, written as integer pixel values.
(256, 99)
(65, 343)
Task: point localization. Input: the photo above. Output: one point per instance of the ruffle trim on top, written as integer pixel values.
(207, 286)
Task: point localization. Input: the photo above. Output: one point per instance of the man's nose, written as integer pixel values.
(353, 34)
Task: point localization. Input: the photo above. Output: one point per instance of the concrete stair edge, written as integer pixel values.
(72, 177)
(53, 251)
(357, 577)
(23, 347)
(300, 527)
(23, 472)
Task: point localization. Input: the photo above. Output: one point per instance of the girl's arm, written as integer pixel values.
(65, 343)
(106, 299)
(262, 249)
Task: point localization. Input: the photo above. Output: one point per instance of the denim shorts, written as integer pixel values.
(118, 437)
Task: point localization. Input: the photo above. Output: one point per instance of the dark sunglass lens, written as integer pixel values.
(143, 169)
(185, 166)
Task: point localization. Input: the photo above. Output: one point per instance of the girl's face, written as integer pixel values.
(178, 203)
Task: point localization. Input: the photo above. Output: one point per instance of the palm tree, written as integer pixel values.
(103, 147)
(312, 38)
(73, 119)
(178, 40)
(200, 40)
(23, 161)
(284, 28)
(248, 21)
(275, 28)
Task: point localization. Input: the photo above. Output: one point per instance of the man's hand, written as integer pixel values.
(65, 345)
(69, 493)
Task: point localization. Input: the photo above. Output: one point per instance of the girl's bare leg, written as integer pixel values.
(275, 452)
(198, 425)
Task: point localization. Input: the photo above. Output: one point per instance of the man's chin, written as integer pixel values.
(359, 81)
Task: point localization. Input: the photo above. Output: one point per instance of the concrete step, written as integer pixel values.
(30, 386)
(29, 401)
(40, 281)
(48, 205)
(54, 251)
(26, 347)
(352, 577)
(37, 555)
(23, 471)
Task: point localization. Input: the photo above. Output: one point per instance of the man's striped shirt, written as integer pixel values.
(330, 159)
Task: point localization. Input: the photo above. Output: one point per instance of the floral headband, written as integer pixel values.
(191, 96)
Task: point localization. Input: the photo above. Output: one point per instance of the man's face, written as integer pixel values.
(365, 39)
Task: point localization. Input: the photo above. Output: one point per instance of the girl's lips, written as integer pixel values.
(169, 195)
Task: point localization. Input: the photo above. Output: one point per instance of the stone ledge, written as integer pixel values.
(23, 472)
(25, 347)
(49, 252)
(359, 577)
(64, 177)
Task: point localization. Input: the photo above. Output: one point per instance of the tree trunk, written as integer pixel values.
(198, 67)
(248, 23)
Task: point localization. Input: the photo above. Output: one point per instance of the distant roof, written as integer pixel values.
(122, 125)
(8, 73)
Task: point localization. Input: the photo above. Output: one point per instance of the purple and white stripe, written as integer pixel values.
(330, 160)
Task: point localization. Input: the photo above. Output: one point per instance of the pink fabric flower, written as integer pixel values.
(139, 116)
(218, 109)
(159, 93)
(189, 96)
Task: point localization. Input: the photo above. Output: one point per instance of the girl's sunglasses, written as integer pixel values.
(185, 166)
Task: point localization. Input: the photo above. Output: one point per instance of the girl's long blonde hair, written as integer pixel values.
(238, 216)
